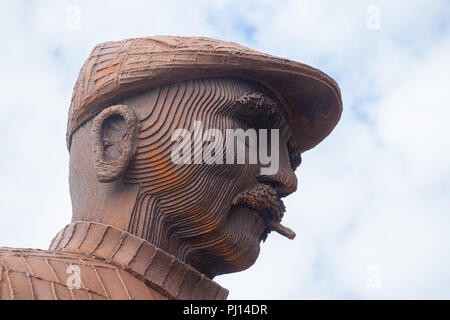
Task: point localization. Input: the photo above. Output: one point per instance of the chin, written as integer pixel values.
(214, 263)
(234, 248)
(248, 230)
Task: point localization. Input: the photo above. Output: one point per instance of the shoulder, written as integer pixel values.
(32, 274)
(48, 275)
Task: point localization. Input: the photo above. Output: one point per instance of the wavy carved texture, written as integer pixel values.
(186, 209)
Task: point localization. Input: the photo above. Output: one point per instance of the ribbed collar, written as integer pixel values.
(160, 270)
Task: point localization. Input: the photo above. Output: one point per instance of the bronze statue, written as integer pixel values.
(144, 227)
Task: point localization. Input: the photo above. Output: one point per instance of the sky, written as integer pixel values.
(372, 210)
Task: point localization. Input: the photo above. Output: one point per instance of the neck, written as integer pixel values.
(137, 212)
(158, 269)
(148, 222)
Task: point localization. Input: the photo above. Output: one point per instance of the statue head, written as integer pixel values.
(162, 132)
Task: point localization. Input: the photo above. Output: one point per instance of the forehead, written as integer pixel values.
(224, 94)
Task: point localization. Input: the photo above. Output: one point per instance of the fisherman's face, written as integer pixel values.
(219, 212)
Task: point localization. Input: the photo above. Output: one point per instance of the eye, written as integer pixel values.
(295, 156)
(253, 119)
(259, 110)
(245, 123)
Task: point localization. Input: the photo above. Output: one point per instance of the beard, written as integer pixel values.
(231, 247)
(212, 242)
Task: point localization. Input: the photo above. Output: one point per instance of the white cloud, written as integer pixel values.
(373, 193)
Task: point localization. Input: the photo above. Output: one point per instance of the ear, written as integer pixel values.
(114, 133)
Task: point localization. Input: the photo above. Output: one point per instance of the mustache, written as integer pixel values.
(266, 201)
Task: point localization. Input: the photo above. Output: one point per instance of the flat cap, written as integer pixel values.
(115, 70)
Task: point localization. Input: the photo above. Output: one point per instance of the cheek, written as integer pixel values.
(203, 201)
(215, 186)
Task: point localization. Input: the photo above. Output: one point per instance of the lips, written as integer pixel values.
(265, 200)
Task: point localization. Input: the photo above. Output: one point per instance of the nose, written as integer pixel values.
(284, 181)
